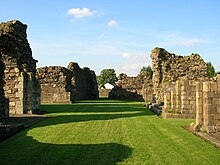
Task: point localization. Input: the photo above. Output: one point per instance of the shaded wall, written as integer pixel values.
(133, 88)
(55, 83)
(19, 83)
(66, 85)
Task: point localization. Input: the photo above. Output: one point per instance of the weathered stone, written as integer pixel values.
(133, 88)
(66, 85)
(20, 85)
(168, 67)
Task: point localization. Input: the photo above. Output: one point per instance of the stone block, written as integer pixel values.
(211, 129)
(206, 87)
(214, 86)
(217, 128)
(12, 104)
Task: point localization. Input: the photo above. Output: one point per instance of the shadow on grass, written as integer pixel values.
(62, 119)
(104, 100)
(30, 151)
(105, 107)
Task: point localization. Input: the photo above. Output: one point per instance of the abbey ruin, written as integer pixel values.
(182, 84)
(66, 85)
(23, 87)
(133, 88)
(179, 85)
(168, 67)
(18, 68)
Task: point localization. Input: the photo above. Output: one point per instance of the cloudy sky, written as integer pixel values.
(117, 34)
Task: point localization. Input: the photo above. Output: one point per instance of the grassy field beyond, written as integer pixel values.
(106, 132)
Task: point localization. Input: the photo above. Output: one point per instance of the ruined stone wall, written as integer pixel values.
(104, 92)
(20, 85)
(55, 82)
(180, 101)
(66, 85)
(207, 106)
(133, 88)
(168, 67)
(84, 83)
(147, 90)
(3, 101)
(195, 99)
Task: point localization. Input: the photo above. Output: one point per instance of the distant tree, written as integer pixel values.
(107, 76)
(211, 70)
(147, 70)
(122, 76)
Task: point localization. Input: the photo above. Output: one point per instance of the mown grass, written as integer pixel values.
(106, 133)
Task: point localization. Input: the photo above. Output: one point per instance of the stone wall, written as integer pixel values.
(84, 83)
(180, 100)
(168, 67)
(133, 88)
(66, 85)
(20, 85)
(3, 101)
(207, 106)
(195, 99)
(104, 92)
(55, 82)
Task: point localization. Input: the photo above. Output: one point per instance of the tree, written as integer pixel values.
(211, 70)
(147, 70)
(107, 76)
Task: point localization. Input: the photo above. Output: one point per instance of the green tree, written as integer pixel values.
(107, 76)
(211, 70)
(147, 70)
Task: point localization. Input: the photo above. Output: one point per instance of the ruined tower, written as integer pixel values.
(18, 67)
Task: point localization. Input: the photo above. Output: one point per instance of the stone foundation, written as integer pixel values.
(66, 85)
(19, 83)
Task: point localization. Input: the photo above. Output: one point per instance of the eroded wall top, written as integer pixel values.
(14, 46)
(170, 67)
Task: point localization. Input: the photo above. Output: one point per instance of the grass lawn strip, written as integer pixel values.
(106, 132)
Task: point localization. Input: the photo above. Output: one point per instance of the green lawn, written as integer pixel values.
(106, 133)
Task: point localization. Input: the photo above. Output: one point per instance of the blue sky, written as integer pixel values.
(117, 34)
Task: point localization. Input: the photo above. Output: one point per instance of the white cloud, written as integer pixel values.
(112, 23)
(126, 55)
(80, 13)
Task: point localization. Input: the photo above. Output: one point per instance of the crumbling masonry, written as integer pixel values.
(18, 70)
(138, 88)
(66, 85)
(195, 99)
(180, 101)
(207, 106)
(168, 67)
